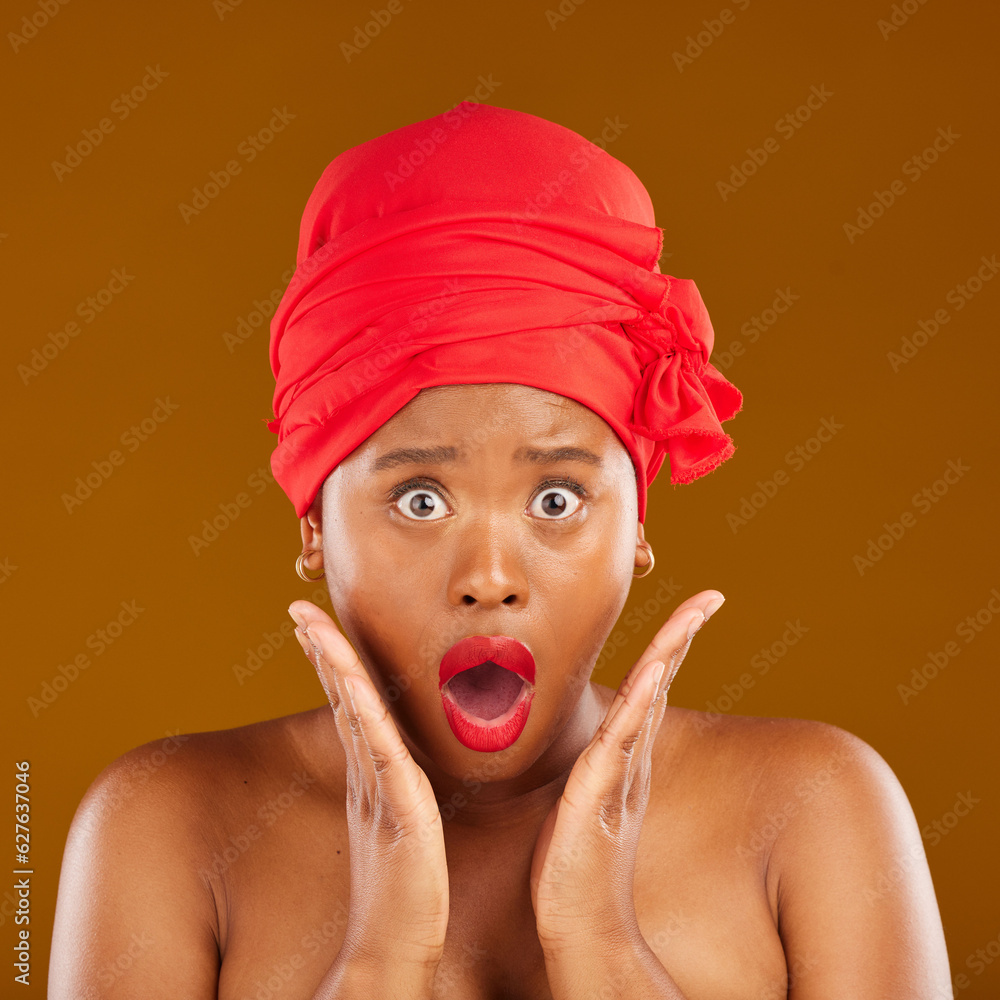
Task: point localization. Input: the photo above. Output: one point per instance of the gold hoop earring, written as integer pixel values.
(300, 569)
(648, 569)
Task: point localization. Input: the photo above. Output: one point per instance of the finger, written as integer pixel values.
(344, 711)
(669, 646)
(385, 769)
(643, 751)
(609, 761)
(658, 702)
(617, 760)
(335, 659)
(334, 648)
(608, 779)
(632, 702)
(396, 777)
(670, 640)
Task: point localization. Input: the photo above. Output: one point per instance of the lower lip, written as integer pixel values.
(488, 737)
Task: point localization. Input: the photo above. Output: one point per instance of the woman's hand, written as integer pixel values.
(583, 866)
(399, 878)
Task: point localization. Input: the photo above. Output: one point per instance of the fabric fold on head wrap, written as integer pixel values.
(488, 245)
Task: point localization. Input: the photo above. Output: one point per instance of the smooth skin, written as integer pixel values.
(587, 844)
(620, 847)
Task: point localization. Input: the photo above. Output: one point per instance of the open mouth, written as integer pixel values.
(487, 691)
(487, 684)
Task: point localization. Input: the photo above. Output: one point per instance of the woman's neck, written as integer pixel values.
(479, 800)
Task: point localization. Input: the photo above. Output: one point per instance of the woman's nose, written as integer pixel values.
(488, 566)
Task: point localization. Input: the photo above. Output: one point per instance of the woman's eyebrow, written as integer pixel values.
(445, 455)
(441, 455)
(549, 456)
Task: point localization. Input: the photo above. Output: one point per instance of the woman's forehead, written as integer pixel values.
(481, 411)
(451, 426)
(455, 423)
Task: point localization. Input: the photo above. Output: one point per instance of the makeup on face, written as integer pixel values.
(459, 518)
(487, 684)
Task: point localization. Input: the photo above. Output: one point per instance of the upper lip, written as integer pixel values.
(475, 649)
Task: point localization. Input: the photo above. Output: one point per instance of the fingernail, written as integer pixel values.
(317, 647)
(696, 624)
(298, 619)
(713, 606)
(303, 642)
(657, 677)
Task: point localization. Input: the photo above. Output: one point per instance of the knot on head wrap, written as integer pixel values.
(489, 245)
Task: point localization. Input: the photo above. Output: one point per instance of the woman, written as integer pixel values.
(480, 369)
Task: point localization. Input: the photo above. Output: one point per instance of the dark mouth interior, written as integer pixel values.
(486, 691)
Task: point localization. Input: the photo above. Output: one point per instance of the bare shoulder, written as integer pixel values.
(780, 767)
(133, 880)
(790, 748)
(826, 820)
(200, 768)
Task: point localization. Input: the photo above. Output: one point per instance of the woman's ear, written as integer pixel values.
(311, 526)
(643, 551)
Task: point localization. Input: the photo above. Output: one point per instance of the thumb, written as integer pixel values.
(305, 613)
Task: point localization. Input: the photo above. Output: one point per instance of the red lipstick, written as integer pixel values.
(487, 684)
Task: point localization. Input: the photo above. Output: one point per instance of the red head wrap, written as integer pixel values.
(489, 245)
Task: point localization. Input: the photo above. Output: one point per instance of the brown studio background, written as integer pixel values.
(222, 71)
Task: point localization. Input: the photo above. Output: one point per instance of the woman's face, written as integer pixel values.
(495, 509)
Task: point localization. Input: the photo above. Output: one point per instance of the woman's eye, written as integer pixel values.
(555, 503)
(421, 504)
